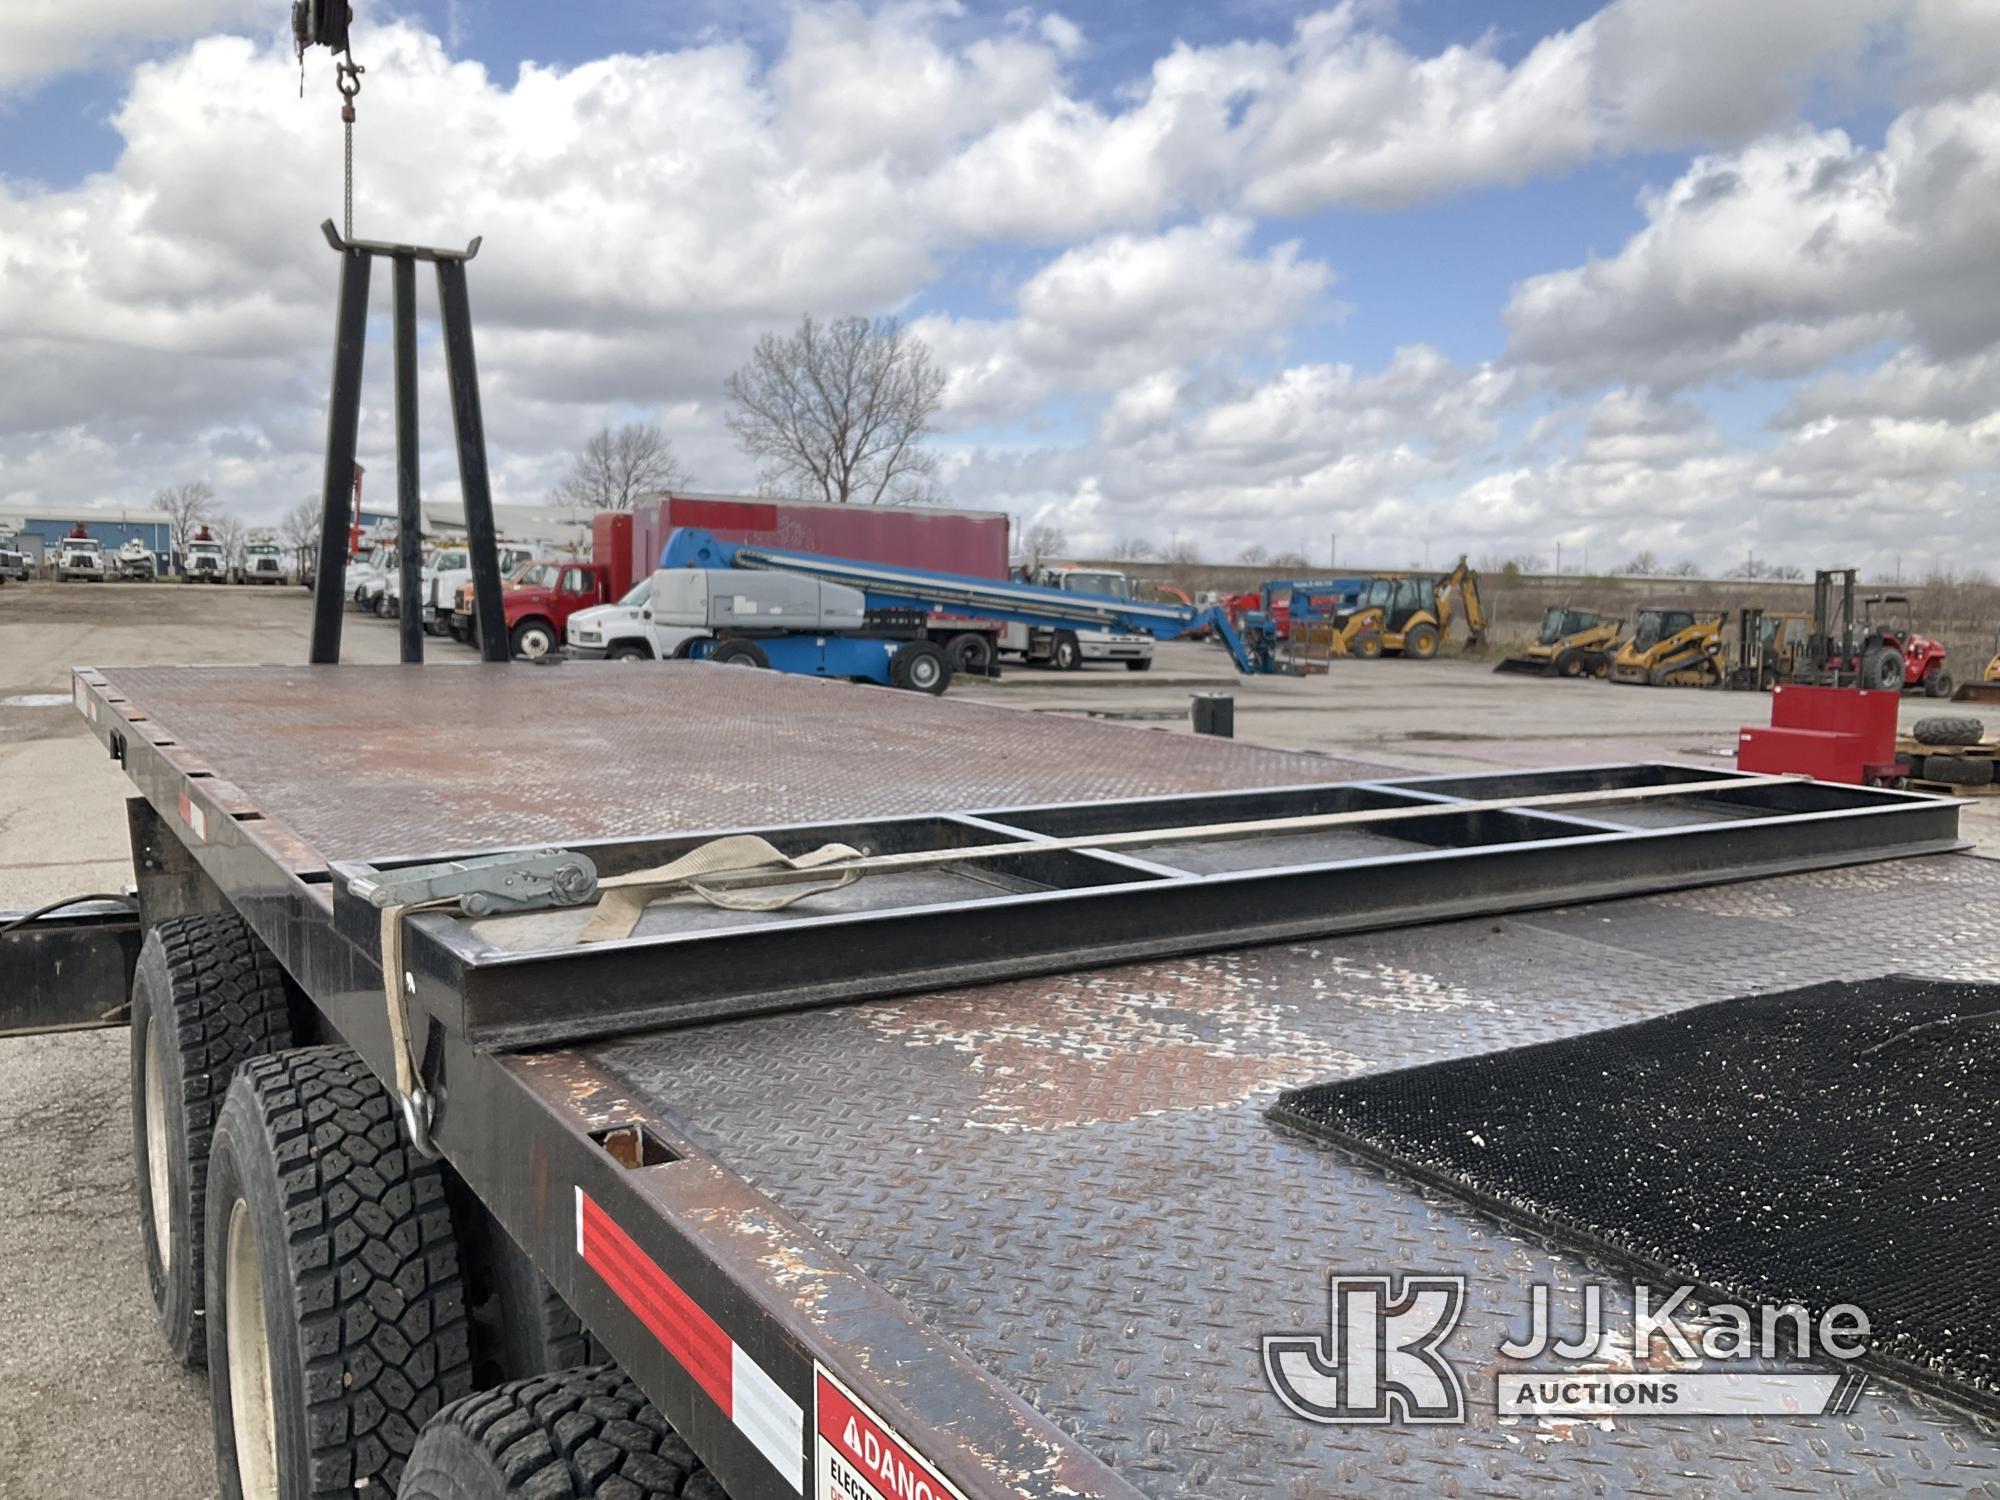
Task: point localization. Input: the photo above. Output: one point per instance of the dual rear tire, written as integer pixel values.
(299, 1247)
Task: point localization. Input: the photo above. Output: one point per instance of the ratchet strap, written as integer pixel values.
(623, 899)
(409, 1070)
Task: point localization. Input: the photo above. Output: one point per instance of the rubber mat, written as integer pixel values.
(1833, 1144)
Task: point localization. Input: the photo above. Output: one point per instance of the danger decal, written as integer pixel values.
(859, 1457)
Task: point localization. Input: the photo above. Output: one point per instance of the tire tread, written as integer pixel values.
(227, 997)
(583, 1434)
(380, 1301)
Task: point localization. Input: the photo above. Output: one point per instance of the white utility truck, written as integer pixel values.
(80, 557)
(1068, 650)
(136, 562)
(261, 561)
(205, 562)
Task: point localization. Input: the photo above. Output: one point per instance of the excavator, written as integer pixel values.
(1672, 647)
(1409, 614)
(1573, 643)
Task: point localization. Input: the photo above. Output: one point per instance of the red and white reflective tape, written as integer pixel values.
(733, 1380)
(194, 817)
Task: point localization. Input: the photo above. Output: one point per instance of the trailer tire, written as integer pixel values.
(1959, 770)
(1949, 729)
(586, 1434)
(739, 653)
(339, 1324)
(205, 996)
(970, 654)
(920, 667)
(1065, 654)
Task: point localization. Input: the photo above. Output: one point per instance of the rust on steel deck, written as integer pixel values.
(356, 761)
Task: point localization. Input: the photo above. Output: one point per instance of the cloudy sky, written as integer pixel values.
(1699, 277)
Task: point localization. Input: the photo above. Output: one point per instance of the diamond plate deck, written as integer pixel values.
(585, 750)
(1070, 1178)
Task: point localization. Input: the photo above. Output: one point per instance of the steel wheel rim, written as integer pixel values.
(923, 673)
(157, 1146)
(252, 1411)
(534, 643)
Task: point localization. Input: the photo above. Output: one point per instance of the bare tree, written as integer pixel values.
(618, 468)
(1133, 549)
(1252, 555)
(1041, 543)
(839, 411)
(1790, 572)
(1186, 564)
(1687, 567)
(1291, 562)
(300, 527)
(186, 507)
(1751, 567)
(230, 531)
(1645, 565)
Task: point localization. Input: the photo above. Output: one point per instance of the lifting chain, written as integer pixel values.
(324, 23)
(347, 78)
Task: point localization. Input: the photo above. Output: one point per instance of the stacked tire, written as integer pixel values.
(1953, 734)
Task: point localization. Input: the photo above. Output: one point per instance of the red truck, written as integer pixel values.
(627, 545)
(538, 599)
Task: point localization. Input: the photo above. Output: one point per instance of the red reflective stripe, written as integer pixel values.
(673, 1317)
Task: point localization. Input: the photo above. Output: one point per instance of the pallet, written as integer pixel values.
(1984, 750)
(1950, 788)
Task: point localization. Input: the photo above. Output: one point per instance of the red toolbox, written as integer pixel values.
(1831, 734)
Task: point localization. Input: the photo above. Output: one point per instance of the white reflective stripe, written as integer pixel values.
(768, 1417)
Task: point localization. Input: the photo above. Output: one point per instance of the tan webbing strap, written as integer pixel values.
(623, 899)
(407, 1079)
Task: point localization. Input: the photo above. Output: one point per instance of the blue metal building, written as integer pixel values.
(40, 533)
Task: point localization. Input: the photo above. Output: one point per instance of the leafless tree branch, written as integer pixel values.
(838, 412)
(186, 506)
(618, 468)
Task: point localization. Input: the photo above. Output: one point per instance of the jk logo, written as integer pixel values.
(1379, 1359)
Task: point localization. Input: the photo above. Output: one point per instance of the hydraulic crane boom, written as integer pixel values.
(889, 588)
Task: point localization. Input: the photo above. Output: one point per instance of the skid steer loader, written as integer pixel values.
(1987, 689)
(1671, 647)
(1573, 643)
(1409, 614)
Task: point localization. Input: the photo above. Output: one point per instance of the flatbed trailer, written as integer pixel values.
(973, 1153)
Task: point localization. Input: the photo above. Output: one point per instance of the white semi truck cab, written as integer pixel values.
(205, 562)
(1068, 650)
(80, 557)
(262, 562)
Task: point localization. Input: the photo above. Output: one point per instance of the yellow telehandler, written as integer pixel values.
(1573, 643)
(1409, 614)
(1671, 647)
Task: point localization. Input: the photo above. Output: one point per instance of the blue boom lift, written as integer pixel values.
(869, 629)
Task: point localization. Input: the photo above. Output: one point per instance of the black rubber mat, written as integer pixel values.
(1826, 1145)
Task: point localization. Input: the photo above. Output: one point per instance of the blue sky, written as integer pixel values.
(1626, 275)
